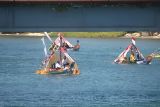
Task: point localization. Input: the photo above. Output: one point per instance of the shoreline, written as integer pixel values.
(143, 37)
(41, 35)
(24, 35)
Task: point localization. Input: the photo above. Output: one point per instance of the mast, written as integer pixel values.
(60, 53)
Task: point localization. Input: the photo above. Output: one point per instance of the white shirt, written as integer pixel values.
(64, 61)
(58, 65)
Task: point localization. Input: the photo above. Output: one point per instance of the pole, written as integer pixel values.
(60, 53)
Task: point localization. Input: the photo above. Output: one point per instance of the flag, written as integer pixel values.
(45, 49)
(133, 41)
(48, 36)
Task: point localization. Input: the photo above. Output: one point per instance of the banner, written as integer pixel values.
(45, 49)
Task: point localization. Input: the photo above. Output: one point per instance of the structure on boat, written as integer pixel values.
(59, 61)
(65, 43)
(135, 55)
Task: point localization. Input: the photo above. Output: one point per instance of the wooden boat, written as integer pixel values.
(136, 57)
(56, 56)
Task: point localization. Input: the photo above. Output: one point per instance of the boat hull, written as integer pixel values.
(61, 71)
(143, 62)
(75, 49)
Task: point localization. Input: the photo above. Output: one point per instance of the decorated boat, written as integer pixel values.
(59, 61)
(136, 57)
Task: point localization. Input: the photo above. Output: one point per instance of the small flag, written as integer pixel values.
(48, 36)
(133, 41)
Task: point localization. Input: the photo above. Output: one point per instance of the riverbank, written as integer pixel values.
(142, 35)
(139, 35)
(90, 34)
(23, 34)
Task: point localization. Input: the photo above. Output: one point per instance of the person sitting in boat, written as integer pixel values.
(64, 61)
(57, 65)
(122, 60)
(77, 46)
(148, 59)
(137, 56)
(125, 60)
(67, 67)
(132, 57)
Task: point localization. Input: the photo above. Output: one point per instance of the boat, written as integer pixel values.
(49, 65)
(136, 57)
(56, 56)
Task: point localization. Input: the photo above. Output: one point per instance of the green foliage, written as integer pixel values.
(90, 34)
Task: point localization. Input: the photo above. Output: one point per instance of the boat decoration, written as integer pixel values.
(65, 43)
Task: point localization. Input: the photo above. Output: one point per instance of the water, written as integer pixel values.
(101, 82)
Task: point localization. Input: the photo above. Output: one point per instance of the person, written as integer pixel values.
(72, 66)
(77, 46)
(57, 65)
(137, 56)
(67, 67)
(64, 61)
(122, 60)
(125, 60)
(132, 57)
(148, 59)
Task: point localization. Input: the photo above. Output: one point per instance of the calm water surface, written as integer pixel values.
(101, 83)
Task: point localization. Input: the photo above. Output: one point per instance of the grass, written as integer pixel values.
(90, 34)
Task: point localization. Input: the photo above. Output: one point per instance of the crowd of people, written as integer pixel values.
(62, 65)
